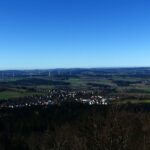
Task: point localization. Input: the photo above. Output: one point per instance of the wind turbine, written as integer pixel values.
(30, 74)
(59, 73)
(2, 75)
(70, 73)
(50, 75)
(13, 75)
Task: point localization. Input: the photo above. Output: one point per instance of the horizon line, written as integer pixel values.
(65, 68)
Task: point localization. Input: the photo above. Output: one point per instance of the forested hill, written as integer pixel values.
(74, 126)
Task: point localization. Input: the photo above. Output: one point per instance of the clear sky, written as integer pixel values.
(74, 33)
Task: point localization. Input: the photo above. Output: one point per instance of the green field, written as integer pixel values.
(16, 94)
(133, 101)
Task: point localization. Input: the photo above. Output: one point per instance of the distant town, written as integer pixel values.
(57, 97)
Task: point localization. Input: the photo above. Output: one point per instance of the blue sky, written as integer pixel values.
(74, 33)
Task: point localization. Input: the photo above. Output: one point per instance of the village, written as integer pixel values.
(58, 97)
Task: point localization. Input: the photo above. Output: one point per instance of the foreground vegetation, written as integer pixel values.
(74, 126)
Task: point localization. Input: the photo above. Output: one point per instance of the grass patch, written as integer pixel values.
(15, 94)
(133, 101)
